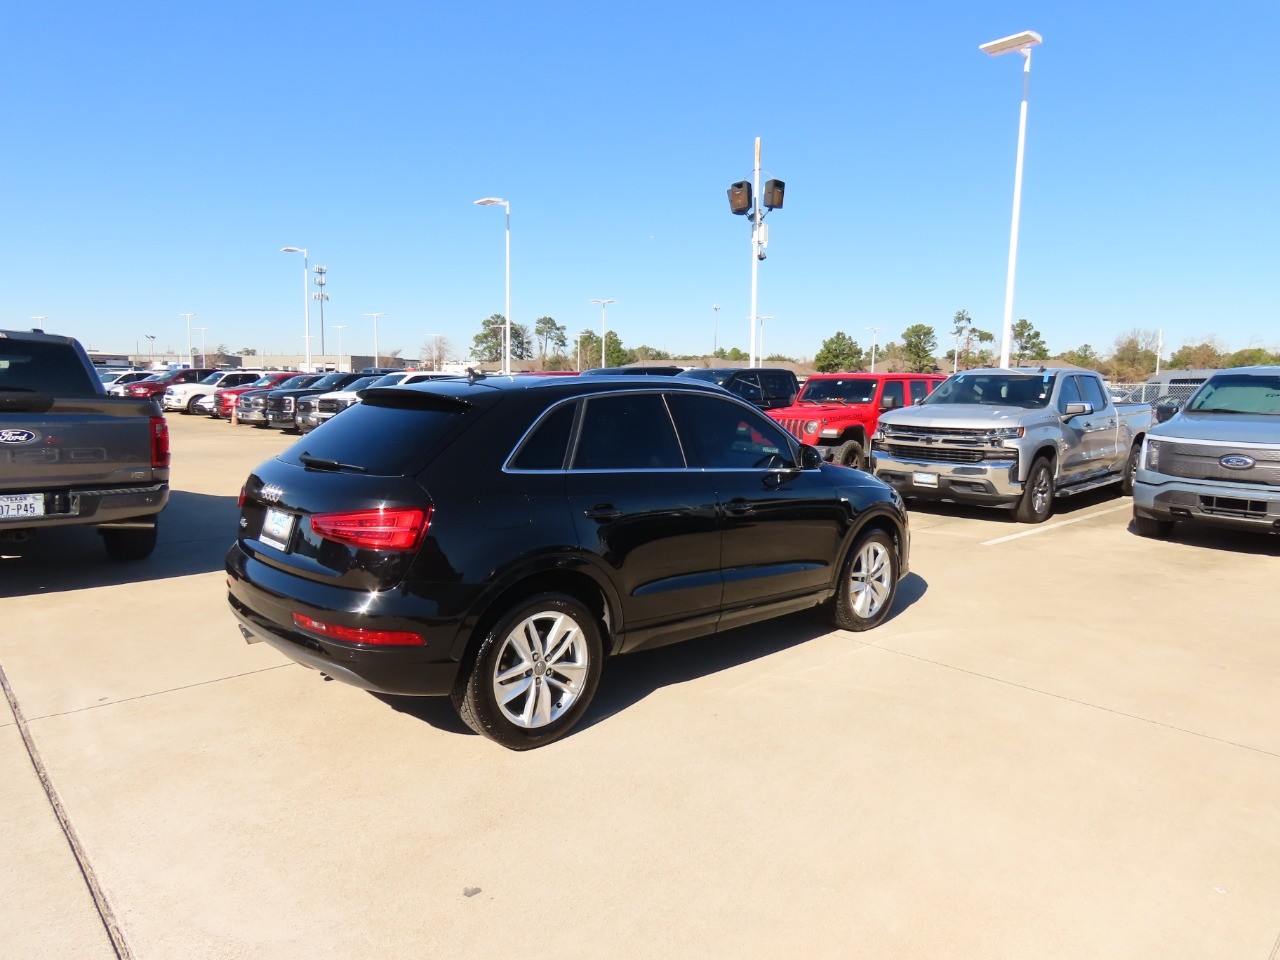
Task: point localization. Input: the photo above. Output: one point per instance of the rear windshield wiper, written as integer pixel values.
(318, 463)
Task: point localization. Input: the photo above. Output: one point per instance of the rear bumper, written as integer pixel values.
(990, 483)
(264, 599)
(93, 506)
(1238, 506)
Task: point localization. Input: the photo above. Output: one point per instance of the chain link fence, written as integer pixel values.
(1172, 392)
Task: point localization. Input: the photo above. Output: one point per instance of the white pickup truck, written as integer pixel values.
(1014, 438)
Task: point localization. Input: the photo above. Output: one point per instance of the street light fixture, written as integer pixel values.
(578, 338)
(377, 357)
(604, 325)
(874, 331)
(306, 298)
(151, 349)
(204, 357)
(340, 327)
(322, 297)
(506, 333)
(1022, 43)
(190, 359)
(715, 329)
(741, 195)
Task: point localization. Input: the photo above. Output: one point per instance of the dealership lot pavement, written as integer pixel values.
(1065, 743)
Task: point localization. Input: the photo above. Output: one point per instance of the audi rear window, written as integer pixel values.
(395, 432)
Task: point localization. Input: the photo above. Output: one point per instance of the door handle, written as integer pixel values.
(602, 511)
(739, 507)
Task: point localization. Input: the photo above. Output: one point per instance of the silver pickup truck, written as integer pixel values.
(70, 454)
(1217, 461)
(1011, 438)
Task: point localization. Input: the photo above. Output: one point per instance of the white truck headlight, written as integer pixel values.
(810, 426)
(1008, 433)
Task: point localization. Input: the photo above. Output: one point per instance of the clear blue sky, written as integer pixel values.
(156, 157)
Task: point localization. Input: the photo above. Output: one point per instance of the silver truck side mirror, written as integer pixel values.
(1077, 410)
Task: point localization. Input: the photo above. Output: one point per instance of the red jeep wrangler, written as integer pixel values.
(838, 412)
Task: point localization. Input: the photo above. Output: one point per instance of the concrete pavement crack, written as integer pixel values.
(156, 693)
(1082, 703)
(105, 913)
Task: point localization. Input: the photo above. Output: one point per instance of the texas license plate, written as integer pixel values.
(276, 529)
(924, 479)
(16, 505)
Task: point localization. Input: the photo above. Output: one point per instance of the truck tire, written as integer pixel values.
(134, 544)
(1130, 470)
(1036, 505)
(191, 404)
(1151, 527)
(851, 454)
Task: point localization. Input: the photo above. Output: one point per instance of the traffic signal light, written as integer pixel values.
(773, 193)
(740, 197)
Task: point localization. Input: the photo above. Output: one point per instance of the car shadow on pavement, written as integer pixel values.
(1063, 507)
(629, 679)
(1260, 543)
(196, 530)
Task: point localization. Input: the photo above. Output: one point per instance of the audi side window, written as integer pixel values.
(721, 435)
(627, 431)
(919, 390)
(547, 443)
(1070, 394)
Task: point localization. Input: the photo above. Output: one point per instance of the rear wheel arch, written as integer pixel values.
(572, 581)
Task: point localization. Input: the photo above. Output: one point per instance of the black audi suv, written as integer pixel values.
(494, 540)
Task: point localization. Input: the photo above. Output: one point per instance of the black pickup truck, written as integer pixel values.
(70, 454)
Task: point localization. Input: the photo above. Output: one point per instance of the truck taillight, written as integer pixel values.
(390, 638)
(159, 442)
(396, 528)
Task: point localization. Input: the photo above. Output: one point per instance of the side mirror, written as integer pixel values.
(1165, 412)
(1077, 410)
(889, 403)
(810, 458)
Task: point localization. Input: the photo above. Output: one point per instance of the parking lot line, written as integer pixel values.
(1051, 526)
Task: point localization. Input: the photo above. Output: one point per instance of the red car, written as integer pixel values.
(155, 387)
(224, 400)
(838, 412)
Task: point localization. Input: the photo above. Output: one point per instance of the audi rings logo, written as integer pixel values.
(16, 436)
(1237, 462)
(271, 493)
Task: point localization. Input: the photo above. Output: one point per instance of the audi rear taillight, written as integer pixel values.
(159, 442)
(388, 638)
(395, 528)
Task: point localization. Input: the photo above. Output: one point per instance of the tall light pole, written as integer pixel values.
(190, 359)
(715, 329)
(741, 195)
(151, 349)
(604, 326)
(1022, 43)
(377, 357)
(506, 333)
(579, 339)
(322, 297)
(306, 298)
(39, 319)
(760, 322)
(204, 357)
(340, 327)
(874, 331)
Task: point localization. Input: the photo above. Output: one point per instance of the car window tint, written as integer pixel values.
(1070, 394)
(545, 447)
(777, 385)
(28, 366)
(893, 390)
(747, 386)
(919, 390)
(720, 435)
(1092, 392)
(627, 431)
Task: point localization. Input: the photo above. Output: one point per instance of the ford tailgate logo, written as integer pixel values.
(1237, 462)
(16, 436)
